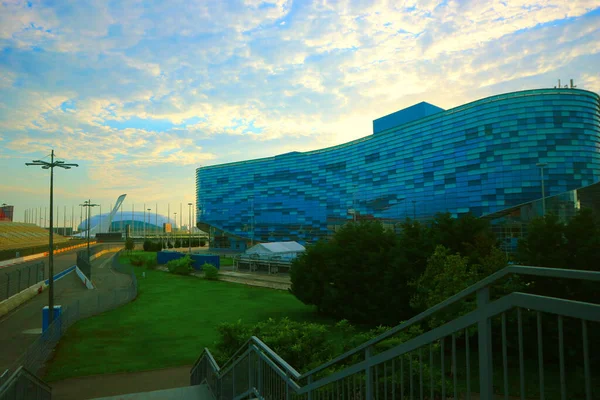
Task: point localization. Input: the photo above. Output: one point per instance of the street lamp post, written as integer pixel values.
(541, 166)
(89, 205)
(190, 227)
(147, 228)
(51, 165)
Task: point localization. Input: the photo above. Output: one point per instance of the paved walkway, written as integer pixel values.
(89, 387)
(22, 326)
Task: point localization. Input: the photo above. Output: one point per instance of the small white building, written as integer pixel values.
(284, 250)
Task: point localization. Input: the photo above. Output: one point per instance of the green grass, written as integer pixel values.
(170, 322)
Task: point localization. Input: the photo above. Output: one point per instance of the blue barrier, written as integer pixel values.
(164, 257)
(61, 274)
(46, 316)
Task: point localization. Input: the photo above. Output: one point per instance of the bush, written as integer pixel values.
(303, 345)
(210, 272)
(202, 243)
(151, 262)
(181, 266)
(177, 243)
(170, 245)
(129, 244)
(136, 260)
(147, 245)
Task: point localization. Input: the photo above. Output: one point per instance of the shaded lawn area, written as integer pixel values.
(169, 324)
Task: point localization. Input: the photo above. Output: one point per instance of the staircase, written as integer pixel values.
(370, 372)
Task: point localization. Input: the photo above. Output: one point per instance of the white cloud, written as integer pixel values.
(318, 78)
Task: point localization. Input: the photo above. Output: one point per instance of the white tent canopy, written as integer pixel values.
(282, 249)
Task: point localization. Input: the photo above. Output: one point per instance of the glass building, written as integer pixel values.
(481, 157)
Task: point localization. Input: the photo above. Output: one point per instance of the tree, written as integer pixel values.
(468, 235)
(353, 276)
(129, 244)
(446, 275)
(545, 243)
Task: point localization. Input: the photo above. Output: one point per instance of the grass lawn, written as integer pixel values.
(170, 322)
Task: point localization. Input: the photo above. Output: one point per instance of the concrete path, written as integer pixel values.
(22, 326)
(95, 386)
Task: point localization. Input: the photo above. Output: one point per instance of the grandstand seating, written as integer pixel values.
(15, 235)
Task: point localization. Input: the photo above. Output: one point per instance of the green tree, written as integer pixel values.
(129, 245)
(582, 235)
(353, 275)
(468, 235)
(446, 274)
(545, 243)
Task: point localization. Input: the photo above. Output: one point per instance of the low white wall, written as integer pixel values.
(16, 300)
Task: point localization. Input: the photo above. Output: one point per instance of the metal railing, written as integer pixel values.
(25, 385)
(458, 359)
(95, 302)
(15, 281)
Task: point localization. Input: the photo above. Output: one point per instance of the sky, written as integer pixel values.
(141, 93)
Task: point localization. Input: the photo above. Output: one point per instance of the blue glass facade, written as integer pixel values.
(479, 157)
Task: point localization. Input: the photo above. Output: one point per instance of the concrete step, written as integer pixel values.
(197, 392)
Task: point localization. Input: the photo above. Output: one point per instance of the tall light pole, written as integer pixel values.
(190, 226)
(51, 165)
(541, 166)
(89, 205)
(149, 209)
(251, 221)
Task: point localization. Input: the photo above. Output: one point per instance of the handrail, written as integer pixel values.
(557, 306)
(512, 269)
(515, 299)
(23, 371)
(262, 346)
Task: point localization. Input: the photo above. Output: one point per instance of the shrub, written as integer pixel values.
(151, 262)
(181, 266)
(129, 244)
(136, 260)
(177, 243)
(304, 345)
(202, 243)
(147, 245)
(170, 245)
(210, 272)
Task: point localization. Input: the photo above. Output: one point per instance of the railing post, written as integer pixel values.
(250, 369)
(233, 382)
(260, 376)
(7, 286)
(484, 327)
(287, 386)
(19, 284)
(368, 376)
(310, 391)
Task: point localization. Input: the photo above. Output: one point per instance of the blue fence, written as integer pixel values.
(164, 257)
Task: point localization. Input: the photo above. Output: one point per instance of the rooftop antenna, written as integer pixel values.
(572, 86)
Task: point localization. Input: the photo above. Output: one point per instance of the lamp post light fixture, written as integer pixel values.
(89, 205)
(146, 226)
(541, 166)
(51, 165)
(190, 227)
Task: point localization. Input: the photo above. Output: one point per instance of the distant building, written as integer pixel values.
(6, 213)
(479, 157)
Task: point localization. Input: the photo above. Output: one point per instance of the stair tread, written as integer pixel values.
(197, 392)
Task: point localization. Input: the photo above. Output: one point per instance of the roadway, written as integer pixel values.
(20, 327)
(62, 261)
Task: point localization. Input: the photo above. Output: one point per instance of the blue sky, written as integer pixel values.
(141, 93)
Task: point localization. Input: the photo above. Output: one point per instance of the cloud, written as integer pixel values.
(261, 76)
